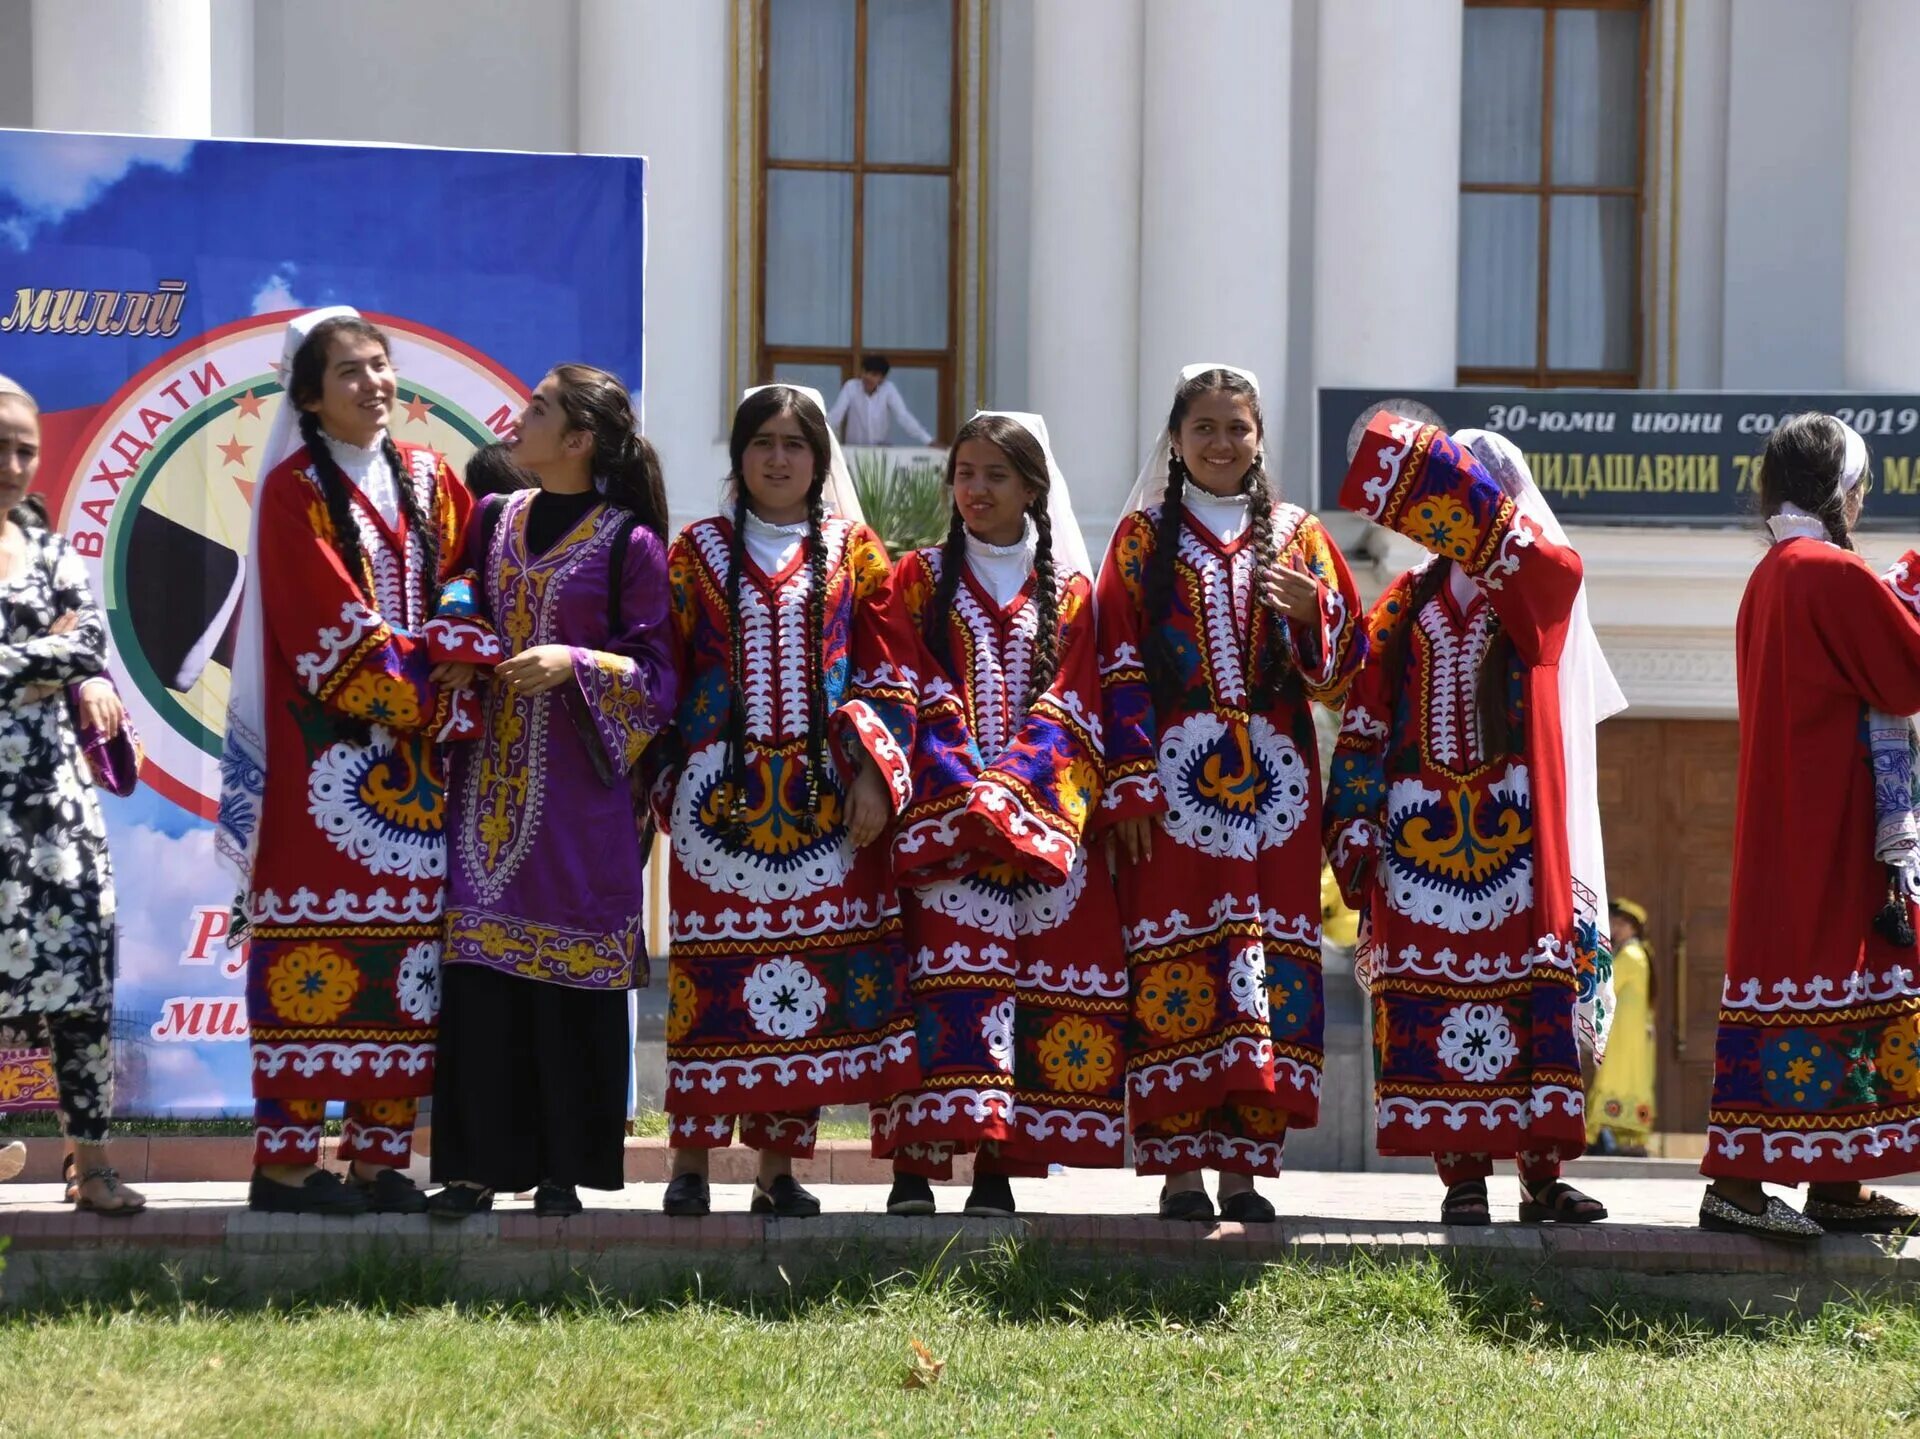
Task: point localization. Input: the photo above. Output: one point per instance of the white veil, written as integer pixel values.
(1069, 545)
(1589, 692)
(839, 497)
(1151, 487)
(243, 754)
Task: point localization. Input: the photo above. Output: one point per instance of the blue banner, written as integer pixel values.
(144, 288)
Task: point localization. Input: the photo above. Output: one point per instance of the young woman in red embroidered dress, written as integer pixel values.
(1222, 613)
(1448, 828)
(1019, 980)
(788, 758)
(1817, 1066)
(353, 665)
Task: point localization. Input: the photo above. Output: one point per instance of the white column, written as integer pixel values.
(1214, 196)
(1883, 206)
(653, 82)
(136, 67)
(1387, 193)
(1083, 323)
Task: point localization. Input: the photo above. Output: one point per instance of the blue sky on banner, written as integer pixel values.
(454, 239)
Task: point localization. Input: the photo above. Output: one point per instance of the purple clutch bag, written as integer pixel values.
(114, 763)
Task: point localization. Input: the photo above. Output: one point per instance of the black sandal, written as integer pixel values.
(1466, 1205)
(1559, 1203)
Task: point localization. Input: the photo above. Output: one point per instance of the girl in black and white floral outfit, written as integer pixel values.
(56, 882)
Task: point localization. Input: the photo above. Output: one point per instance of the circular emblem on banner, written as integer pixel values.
(160, 506)
(1403, 407)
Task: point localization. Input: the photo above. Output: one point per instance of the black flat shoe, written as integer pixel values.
(1779, 1221)
(390, 1192)
(323, 1192)
(990, 1198)
(1249, 1206)
(687, 1197)
(784, 1199)
(557, 1201)
(458, 1201)
(911, 1194)
(1189, 1204)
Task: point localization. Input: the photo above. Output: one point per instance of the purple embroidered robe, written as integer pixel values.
(546, 865)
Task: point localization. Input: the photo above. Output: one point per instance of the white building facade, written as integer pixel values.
(1053, 204)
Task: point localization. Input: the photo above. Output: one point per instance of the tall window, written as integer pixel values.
(859, 207)
(1551, 170)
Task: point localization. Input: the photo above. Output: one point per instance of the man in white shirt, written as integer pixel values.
(871, 404)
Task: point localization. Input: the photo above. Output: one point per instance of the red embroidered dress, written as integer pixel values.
(1018, 976)
(1455, 855)
(1222, 925)
(1817, 1066)
(786, 979)
(346, 894)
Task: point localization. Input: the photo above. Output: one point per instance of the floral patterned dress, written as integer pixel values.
(56, 881)
(1013, 938)
(1222, 923)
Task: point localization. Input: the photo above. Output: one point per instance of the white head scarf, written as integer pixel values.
(1151, 487)
(243, 756)
(1589, 693)
(1069, 545)
(839, 497)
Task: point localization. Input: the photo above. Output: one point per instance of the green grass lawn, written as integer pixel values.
(1023, 1348)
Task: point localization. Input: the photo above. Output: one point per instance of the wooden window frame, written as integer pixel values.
(943, 362)
(1540, 375)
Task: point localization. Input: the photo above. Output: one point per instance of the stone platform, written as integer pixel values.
(1649, 1253)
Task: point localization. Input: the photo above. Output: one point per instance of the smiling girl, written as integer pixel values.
(356, 652)
(1223, 612)
(1019, 983)
(797, 693)
(545, 896)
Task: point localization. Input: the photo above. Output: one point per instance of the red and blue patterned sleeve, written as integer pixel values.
(1413, 479)
(460, 631)
(1131, 780)
(1033, 806)
(1333, 644)
(873, 680)
(1357, 781)
(699, 670)
(623, 694)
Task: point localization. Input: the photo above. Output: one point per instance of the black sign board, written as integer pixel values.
(1671, 457)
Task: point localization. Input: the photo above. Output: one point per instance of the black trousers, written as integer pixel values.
(530, 1083)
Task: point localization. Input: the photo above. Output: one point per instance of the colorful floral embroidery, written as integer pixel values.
(312, 984)
(1078, 1055)
(1176, 999)
(1477, 1043)
(784, 999)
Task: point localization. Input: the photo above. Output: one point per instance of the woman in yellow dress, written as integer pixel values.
(1620, 1110)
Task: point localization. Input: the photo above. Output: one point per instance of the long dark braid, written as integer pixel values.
(1046, 601)
(736, 826)
(426, 525)
(816, 654)
(937, 623)
(333, 488)
(1157, 601)
(1279, 676)
(1802, 465)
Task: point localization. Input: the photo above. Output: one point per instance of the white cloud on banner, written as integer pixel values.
(276, 292)
(54, 176)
